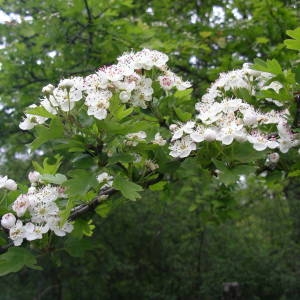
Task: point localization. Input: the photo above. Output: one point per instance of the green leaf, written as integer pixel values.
(295, 173)
(45, 134)
(121, 157)
(128, 189)
(262, 40)
(77, 247)
(103, 209)
(159, 186)
(39, 111)
(184, 95)
(293, 44)
(270, 66)
(270, 93)
(205, 34)
(56, 179)
(80, 183)
(15, 259)
(182, 115)
(244, 153)
(118, 109)
(65, 213)
(48, 168)
(83, 228)
(230, 175)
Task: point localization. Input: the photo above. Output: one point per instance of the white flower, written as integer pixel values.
(273, 157)
(20, 205)
(229, 132)
(198, 134)
(158, 140)
(150, 164)
(17, 233)
(31, 120)
(34, 176)
(48, 89)
(146, 59)
(261, 142)
(274, 85)
(233, 80)
(48, 106)
(54, 225)
(250, 118)
(112, 73)
(285, 144)
(98, 103)
(210, 134)
(10, 185)
(8, 220)
(34, 232)
(64, 96)
(166, 82)
(42, 211)
(134, 138)
(124, 96)
(182, 147)
(179, 129)
(95, 82)
(66, 84)
(106, 179)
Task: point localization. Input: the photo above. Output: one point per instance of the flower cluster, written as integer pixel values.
(127, 80)
(223, 117)
(41, 211)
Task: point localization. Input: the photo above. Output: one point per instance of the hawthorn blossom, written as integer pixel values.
(7, 183)
(54, 225)
(261, 142)
(126, 78)
(182, 147)
(8, 220)
(34, 232)
(273, 157)
(17, 233)
(150, 164)
(41, 208)
(105, 179)
(31, 120)
(20, 205)
(34, 177)
(225, 118)
(133, 139)
(98, 103)
(159, 140)
(179, 129)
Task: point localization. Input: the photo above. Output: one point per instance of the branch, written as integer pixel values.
(84, 208)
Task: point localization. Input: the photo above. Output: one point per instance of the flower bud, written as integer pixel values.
(274, 157)
(210, 135)
(250, 118)
(124, 96)
(66, 84)
(8, 220)
(48, 89)
(10, 185)
(34, 176)
(173, 127)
